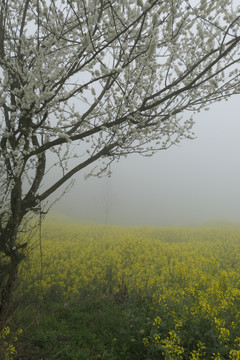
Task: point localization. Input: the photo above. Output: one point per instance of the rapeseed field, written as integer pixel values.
(178, 289)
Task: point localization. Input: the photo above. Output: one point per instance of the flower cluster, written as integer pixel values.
(7, 349)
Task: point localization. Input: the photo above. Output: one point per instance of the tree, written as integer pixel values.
(90, 81)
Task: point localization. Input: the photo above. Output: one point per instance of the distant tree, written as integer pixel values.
(90, 81)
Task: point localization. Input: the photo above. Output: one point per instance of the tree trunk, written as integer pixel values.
(8, 277)
(11, 254)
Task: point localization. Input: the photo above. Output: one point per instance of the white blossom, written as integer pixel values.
(96, 84)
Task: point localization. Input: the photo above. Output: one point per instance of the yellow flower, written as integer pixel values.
(145, 341)
(157, 321)
(234, 354)
(156, 339)
(216, 356)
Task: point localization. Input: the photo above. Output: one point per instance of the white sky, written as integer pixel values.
(194, 182)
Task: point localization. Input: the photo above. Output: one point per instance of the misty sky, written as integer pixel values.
(188, 184)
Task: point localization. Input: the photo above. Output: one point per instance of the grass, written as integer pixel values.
(89, 328)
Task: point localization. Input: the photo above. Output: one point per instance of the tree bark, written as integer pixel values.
(8, 277)
(11, 254)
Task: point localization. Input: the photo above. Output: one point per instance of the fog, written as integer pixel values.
(195, 182)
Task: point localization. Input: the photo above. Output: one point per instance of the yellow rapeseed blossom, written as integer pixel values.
(171, 347)
(216, 356)
(223, 332)
(156, 339)
(188, 273)
(5, 332)
(7, 349)
(145, 341)
(157, 321)
(234, 354)
(200, 353)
